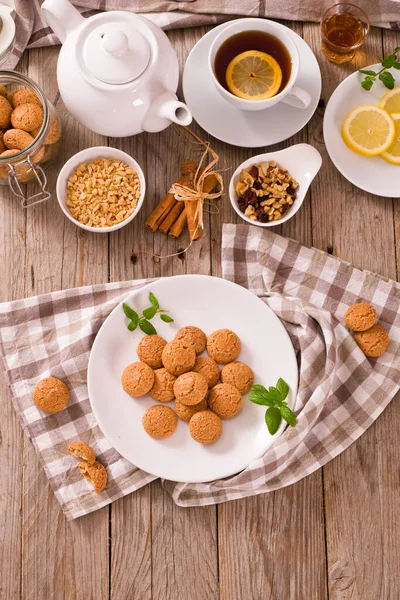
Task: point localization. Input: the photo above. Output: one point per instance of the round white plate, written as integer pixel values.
(210, 303)
(372, 174)
(247, 129)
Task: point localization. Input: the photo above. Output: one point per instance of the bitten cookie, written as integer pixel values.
(225, 400)
(360, 317)
(190, 388)
(163, 386)
(208, 368)
(193, 336)
(224, 346)
(205, 427)
(186, 412)
(149, 350)
(95, 473)
(51, 395)
(373, 342)
(82, 451)
(137, 379)
(178, 357)
(159, 421)
(239, 375)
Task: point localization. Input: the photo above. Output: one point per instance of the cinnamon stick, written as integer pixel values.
(171, 217)
(154, 221)
(195, 231)
(179, 224)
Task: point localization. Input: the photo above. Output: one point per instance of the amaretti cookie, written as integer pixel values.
(205, 427)
(95, 473)
(137, 379)
(194, 337)
(360, 316)
(190, 388)
(225, 400)
(208, 368)
(185, 412)
(239, 375)
(373, 342)
(159, 421)
(149, 350)
(27, 117)
(178, 357)
(224, 346)
(51, 395)
(163, 386)
(82, 451)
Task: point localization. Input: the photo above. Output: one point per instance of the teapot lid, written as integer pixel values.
(115, 51)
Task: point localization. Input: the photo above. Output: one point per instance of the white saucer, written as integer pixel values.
(248, 129)
(372, 174)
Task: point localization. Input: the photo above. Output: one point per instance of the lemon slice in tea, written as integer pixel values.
(391, 101)
(368, 130)
(254, 75)
(392, 154)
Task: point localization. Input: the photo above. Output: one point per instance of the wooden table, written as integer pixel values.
(335, 534)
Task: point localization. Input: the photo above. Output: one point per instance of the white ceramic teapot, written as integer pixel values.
(117, 71)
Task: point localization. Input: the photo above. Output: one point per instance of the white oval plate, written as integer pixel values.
(371, 174)
(247, 129)
(210, 303)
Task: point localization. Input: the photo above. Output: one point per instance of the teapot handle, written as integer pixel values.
(61, 16)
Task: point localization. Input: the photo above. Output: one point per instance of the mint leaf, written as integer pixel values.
(367, 83)
(282, 388)
(149, 313)
(166, 319)
(153, 300)
(396, 65)
(288, 415)
(147, 327)
(130, 313)
(367, 72)
(259, 395)
(132, 325)
(389, 61)
(274, 395)
(387, 79)
(273, 419)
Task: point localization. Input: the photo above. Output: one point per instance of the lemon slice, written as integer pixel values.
(392, 154)
(254, 75)
(391, 101)
(368, 130)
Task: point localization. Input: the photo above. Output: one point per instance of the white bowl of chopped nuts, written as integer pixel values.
(268, 189)
(101, 189)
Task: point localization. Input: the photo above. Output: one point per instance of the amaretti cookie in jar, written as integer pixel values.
(30, 134)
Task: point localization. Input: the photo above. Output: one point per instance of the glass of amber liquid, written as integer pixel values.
(343, 30)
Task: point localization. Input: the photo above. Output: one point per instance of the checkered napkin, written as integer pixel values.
(340, 392)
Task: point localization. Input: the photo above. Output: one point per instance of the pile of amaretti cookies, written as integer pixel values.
(370, 337)
(174, 371)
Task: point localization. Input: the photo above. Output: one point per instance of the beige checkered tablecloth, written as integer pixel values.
(341, 392)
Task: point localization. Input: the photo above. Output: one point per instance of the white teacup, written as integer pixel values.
(291, 94)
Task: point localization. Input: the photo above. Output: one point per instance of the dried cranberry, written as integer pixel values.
(262, 217)
(285, 208)
(250, 198)
(257, 185)
(290, 190)
(254, 171)
(242, 204)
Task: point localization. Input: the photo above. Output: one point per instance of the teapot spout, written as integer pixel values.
(61, 16)
(166, 109)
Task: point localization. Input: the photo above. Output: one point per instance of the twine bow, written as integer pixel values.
(182, 193)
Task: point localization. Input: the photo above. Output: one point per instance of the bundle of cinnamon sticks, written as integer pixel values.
(172, 216)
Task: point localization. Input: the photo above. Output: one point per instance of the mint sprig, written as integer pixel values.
(388, 62)
(274, 398)
(143, 320)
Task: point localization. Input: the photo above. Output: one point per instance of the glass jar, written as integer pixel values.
(20, 166)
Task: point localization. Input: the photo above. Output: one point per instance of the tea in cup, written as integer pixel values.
(254, 64)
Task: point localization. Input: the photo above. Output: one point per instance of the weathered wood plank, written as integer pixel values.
(65, 563)
(359, 526)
